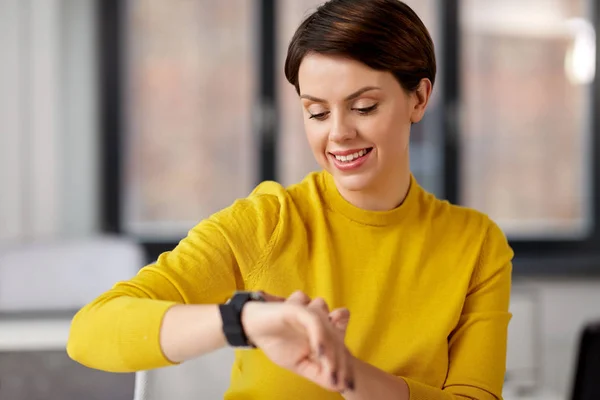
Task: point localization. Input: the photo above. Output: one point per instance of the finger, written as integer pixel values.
(339, 374)
(342, 377)
(319, 304)
(314, 327)
(271, 297)
(331, 366)
(346, 371)
(298, 297)
(321, 340)
(340, 318)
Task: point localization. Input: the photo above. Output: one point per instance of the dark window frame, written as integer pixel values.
(533, 257)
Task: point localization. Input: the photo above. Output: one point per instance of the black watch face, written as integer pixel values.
(254, 296)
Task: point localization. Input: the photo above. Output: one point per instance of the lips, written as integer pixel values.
(351, 155)
(350, 159)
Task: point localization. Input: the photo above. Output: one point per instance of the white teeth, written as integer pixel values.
(351, 157)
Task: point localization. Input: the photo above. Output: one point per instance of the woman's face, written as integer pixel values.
(357, 120)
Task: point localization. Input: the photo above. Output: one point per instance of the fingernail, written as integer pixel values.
(321, 350)
(350, 384)
(334, 378)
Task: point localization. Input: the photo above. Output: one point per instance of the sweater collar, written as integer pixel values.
(338, 203)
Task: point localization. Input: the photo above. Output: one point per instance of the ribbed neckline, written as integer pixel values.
(377, 218)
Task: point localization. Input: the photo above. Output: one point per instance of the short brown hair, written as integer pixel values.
(383, 34)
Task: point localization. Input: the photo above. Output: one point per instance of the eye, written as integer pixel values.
(366, 110)
(319, 116)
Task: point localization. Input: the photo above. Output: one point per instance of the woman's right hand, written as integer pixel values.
(301, 338)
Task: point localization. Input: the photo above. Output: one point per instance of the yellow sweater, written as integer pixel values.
(427, 285)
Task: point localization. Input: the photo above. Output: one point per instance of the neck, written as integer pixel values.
(384, 195)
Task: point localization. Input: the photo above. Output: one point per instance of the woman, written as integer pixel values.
(426, 283)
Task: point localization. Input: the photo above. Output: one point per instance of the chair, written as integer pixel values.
(586, 385)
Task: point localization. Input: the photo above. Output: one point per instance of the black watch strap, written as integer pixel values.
(231, 314)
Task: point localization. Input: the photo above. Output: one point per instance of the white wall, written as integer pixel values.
(48, 120)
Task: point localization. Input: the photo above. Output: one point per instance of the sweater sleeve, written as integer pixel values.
(119, 330)
(477, 346)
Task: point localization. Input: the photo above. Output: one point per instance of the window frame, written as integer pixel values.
(539, 257)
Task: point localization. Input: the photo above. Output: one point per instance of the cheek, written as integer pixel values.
(316, 136)
(317, 142)
(380, 131)
(390, 130)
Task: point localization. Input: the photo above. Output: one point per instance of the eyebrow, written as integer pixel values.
(348, 98)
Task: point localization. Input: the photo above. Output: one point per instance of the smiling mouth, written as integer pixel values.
(354, 156)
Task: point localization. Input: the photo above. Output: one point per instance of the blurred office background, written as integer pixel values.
(123, 123)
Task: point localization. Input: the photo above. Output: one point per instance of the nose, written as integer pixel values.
(341, 129)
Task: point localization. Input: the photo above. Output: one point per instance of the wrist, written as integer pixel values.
(372, 382)
(231, 314)
(247, 317)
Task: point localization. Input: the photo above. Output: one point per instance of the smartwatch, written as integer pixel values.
(231, 314)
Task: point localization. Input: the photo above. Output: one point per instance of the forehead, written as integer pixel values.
(328, 75)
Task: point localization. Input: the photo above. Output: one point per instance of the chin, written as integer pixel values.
(352, 183)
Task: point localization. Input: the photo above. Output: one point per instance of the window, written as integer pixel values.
(525, 148)
(189, 83)
(510, 129)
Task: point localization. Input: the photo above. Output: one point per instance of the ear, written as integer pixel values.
(419, 100)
